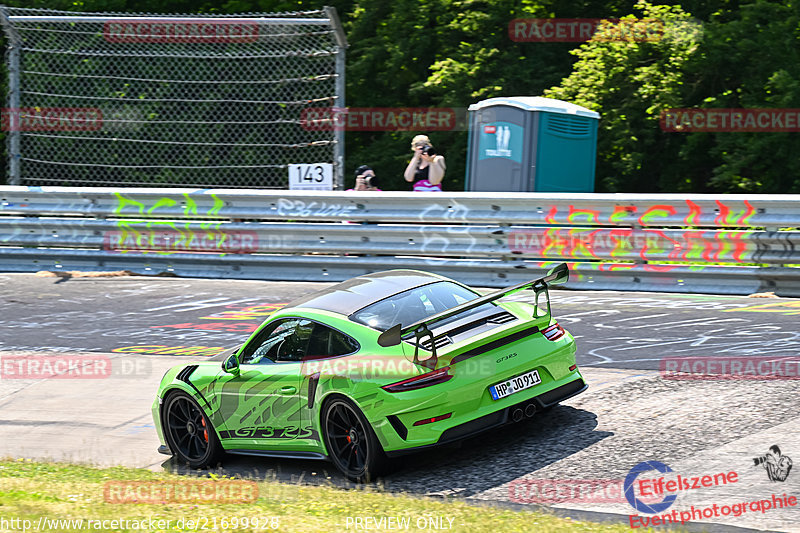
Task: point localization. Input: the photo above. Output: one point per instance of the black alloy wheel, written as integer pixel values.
(189, 432)
(351, 442)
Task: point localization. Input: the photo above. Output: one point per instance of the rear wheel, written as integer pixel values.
(189, 432)
(351, 442)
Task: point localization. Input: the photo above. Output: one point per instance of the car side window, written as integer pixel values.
(295, 347)
(267, 345)
(327, 342)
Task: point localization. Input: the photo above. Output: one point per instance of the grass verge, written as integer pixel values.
(33, 491)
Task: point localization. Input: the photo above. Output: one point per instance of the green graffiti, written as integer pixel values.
(122, 202)
(657, 211)
(142, 234)
(621, 213)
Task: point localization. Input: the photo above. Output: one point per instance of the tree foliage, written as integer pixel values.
(452, 53)
(742, 57)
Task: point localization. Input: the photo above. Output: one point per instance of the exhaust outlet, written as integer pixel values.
(530, 410)
(517, 415)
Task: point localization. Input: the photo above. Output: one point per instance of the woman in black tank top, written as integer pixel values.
(419, 168)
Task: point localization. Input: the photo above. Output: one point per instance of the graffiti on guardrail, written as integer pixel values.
(301, 209)
(623, 243)
(580, 271)
(439, 238)
(734, 211)
(690, 213)
(167, 206)
(721, 246)
(166, 236)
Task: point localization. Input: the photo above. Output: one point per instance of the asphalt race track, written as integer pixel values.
(134, 328)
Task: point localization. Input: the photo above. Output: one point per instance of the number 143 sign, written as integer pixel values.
(311, 176)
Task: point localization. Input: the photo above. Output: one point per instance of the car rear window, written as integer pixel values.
(415, 304)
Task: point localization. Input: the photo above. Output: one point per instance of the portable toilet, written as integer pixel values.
(531, 144)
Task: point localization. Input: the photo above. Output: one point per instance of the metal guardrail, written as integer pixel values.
(630, 210)
(673, 243)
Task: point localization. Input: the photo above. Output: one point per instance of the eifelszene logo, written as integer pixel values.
(630, 495)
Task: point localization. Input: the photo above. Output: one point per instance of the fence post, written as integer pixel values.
(341, 45)
(338, 151)
(14, 45)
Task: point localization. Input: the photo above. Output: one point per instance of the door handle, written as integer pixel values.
(288, 390)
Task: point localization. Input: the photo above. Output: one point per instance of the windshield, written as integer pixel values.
(415, 304)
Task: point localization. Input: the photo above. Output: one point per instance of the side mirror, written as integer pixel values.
(557, 275)
(391, 337)
(231, 365)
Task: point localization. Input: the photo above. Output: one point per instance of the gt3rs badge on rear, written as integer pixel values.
(506, 357)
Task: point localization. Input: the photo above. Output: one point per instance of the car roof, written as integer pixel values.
(349, 296)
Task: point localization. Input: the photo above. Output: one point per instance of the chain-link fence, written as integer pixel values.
(169, 100)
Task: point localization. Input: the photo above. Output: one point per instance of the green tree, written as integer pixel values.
(447, 53)
(751, 60)
(630, 83)
(742, 57)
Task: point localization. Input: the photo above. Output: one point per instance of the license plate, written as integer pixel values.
(515, 384)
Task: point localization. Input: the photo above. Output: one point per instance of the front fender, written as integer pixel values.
(196, 380)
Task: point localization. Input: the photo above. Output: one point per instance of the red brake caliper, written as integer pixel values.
(205, 431)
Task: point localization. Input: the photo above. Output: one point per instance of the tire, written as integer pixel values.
(351, 442)
(189, 432)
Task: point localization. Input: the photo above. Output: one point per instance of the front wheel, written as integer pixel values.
(351, 442)
(189, 432)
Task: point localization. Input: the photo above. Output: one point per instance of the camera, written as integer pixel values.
(428, 150)
(759, 460)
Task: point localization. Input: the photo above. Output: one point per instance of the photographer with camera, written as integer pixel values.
(426, 168)
(365, 179)
(777, 465)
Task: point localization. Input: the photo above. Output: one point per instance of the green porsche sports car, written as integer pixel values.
(371, 368)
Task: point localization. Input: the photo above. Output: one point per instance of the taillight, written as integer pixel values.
(554, 332)
(423, 380)
(432, 420)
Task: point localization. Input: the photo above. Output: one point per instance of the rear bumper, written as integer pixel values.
(499, 418)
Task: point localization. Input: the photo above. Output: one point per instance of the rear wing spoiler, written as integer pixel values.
(421, 329)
